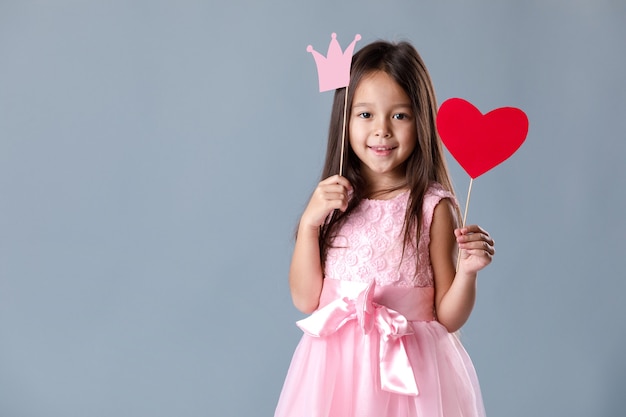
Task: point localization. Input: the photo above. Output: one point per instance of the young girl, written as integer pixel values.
(375, 259)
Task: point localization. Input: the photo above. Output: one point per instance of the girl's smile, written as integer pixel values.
(382, 150)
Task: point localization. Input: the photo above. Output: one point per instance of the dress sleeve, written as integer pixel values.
(433, 196)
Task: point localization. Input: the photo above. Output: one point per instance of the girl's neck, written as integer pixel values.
(381, 187)
(385, 191)
(386, 194)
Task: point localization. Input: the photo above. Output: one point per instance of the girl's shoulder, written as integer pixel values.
(433, 196)
(436, 192)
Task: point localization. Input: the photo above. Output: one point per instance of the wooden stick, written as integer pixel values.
(343, 131)
(469, 193)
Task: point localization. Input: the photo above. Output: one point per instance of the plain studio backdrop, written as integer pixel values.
(155, 157)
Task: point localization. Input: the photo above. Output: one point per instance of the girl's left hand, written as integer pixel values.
(476, 246)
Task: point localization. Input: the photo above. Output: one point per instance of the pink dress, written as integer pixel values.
(374, 347)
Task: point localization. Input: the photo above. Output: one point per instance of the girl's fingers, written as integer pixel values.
(471, 229)
(478, 244)
(478, 248)
(336, 201)
(335, 188)
(475, 241)
(332, 193)
(473, 233)
(338, 180)
(335, 191)
(478, 239)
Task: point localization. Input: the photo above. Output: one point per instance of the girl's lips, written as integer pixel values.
(382, 150)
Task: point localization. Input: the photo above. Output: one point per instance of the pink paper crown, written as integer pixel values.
(333, 71)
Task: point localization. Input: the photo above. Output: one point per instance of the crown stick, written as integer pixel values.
(343, 131)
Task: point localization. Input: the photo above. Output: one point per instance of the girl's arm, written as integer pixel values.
(305, 274)
(455, 292)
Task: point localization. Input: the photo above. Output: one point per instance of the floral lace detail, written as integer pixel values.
(369, 245)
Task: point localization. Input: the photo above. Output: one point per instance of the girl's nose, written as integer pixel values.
(383, 133)
(382, 130)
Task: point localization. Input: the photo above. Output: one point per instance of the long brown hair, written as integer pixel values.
(426, 164)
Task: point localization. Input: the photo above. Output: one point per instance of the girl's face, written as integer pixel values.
(382, 129)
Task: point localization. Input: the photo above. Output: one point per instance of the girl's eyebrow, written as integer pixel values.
(395, 106)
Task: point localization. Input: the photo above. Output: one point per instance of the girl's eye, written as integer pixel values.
(365, 115)
(400, 116)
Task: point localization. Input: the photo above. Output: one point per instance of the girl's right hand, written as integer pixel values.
(330, 194)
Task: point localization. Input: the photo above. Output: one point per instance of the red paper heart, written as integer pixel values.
(480, 142)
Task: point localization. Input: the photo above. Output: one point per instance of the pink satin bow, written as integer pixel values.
(396, 374)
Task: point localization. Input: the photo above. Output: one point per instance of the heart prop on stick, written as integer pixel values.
(480, 142)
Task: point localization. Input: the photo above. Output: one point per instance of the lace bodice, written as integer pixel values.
(369, 244)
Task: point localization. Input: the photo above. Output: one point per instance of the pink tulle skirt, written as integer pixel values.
(362, 358)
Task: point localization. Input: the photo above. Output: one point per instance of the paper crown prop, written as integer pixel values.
(333, 70)
(480, 142)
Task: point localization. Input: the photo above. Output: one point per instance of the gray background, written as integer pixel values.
(155, 157)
